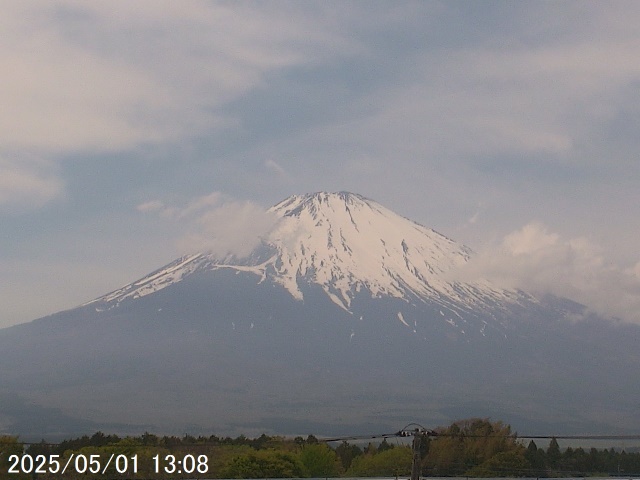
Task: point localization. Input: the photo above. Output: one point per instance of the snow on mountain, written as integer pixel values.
(346, 244)
(162, 278)
(347, 314)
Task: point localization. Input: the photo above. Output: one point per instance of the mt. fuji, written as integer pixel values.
(350, 246)
(346, 318)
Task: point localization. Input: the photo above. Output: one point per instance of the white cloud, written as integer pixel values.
(27, 184)
(273, 165)
(217, 223)
(279, 170)
(534, 259)
(59, 96)
(531, 239)
(102, 77)
(151, 206)
(521, 95)
(202, 204)
(474, 218)
(113, 75)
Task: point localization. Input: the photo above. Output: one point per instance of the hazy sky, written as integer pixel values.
(130, 128)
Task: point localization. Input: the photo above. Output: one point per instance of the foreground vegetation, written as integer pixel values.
(473, 448)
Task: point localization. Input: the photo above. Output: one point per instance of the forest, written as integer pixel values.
(466, 448)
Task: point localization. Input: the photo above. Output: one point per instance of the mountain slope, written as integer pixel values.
(344, 320)
(349, 245)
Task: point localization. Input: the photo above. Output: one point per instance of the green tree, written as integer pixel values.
(574, 461)
(264, 464)
(9, 445)
(535, 457)
(346, 453)
(553, 454)
(503, 464)
(319, 460)
(389, 463)
(446, 456)
(467, 444)
(384, 445)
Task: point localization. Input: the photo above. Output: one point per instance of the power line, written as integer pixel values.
(406, 431)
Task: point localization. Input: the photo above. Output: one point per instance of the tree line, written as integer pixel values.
(469, 448)
(481, 448)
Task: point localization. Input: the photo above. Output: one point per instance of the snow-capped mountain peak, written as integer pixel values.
(345, 242)
(348, 245)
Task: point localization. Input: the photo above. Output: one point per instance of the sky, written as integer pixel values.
(131, 132)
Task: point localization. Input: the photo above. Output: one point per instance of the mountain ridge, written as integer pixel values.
(346, 243)
(337, 318)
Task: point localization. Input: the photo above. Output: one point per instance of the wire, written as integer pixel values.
(432, 433)
(403, 432)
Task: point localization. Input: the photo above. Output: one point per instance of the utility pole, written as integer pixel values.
(415, 465)
(418, 433)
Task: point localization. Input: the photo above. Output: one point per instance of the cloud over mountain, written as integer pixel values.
(27, 184)
(216, 223)
(535, 259)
